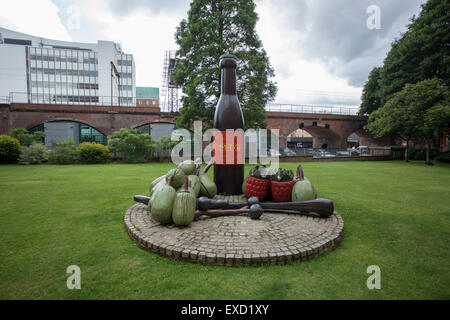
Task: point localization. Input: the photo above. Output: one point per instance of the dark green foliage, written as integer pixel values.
(37, 153)
(261, 172)
(443, 157)
(131, 146)
(410, 114)
(25, 137)
(421, 53)
(282, 175)
(214, 28)
(90, 153)
(164, 147)
(371, 96)
(65, 152)
(10, 149)
(420, 153)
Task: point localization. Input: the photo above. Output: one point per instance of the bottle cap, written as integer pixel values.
(228, 61)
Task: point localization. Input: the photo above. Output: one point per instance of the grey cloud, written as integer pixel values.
(125, 7)
(335, 32)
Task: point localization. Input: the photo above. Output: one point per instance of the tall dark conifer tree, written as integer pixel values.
(214, 28)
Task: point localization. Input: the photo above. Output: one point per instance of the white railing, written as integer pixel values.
(4, 100)
(305, 108)
(21, 97)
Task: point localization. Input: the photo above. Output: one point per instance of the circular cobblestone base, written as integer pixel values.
(237, 240)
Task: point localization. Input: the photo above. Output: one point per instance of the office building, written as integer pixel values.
(43, 71)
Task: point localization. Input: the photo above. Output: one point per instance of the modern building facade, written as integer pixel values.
(43, 71)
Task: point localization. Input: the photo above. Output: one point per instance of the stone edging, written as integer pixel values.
(237, 240)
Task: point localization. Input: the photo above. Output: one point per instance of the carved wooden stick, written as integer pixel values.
(323, 207)
(255, 212)
(142, 199)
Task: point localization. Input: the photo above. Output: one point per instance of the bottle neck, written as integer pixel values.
(228, 81)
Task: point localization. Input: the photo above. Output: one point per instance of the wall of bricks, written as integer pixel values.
(329, 129)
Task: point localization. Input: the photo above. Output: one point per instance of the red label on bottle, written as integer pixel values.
(228, 147)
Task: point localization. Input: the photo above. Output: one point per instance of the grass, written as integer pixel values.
(396, 216)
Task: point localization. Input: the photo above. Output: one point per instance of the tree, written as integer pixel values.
(405, 113)
(131, 145)
(436, 119)
(421, 53)
(214, 28)
(371, 96)
(165, 146)
(25, 137)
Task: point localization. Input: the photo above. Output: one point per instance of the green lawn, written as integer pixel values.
(396, 216)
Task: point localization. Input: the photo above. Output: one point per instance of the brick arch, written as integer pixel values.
(324, 128)
(146, 122)
(66, 119)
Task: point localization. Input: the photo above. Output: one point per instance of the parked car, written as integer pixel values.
(323, 154)
(289, 152)
(362, 149)
(273, 153)
(343, 154)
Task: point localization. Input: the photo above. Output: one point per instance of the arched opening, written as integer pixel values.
(353, 140)
(299, 142)
(62, 130)
(157, 129)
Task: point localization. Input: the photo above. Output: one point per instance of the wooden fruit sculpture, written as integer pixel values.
(256, 184)
(188, 167)
(184, 206)
(303, 189)
(207, 188)
(281, 185)
(162, 205)
(178, 177)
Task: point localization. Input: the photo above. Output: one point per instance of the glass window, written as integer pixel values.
(89, 134)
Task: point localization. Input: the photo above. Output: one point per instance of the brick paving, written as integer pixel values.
(237, 240)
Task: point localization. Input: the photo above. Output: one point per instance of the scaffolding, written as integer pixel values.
(169, 92)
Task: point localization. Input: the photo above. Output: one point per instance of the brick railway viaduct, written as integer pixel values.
(330, 129)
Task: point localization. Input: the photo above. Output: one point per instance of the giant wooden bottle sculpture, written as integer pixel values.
(228, 153)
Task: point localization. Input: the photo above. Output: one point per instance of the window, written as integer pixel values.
(89, 134)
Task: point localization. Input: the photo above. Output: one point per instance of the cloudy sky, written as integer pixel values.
(322, 50)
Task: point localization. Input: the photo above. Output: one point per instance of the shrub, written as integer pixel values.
(165, 146)
(93, 153)
(443, 157)
(10, 149)
(35, 154)
(64, 153)
(25, 137)
(131, 146)
(420, 153)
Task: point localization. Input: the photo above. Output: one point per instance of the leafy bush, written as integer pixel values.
(35, 154)
(25, 137)
(420, 154)
(64, 153)
(131, 146)
(165, 147)
(91, 152)
(443, 157)
(10, 149)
